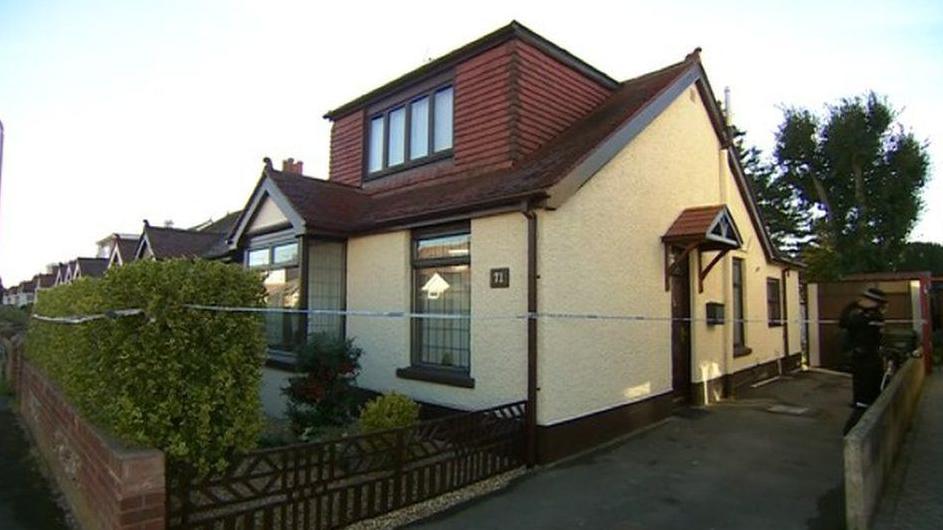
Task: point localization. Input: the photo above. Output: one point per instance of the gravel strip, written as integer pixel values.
(435, 505)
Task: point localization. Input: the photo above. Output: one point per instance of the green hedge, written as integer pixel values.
(183, 380)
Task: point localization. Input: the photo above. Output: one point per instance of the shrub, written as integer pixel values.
(324, 395)
(182, 380)
(12, 320)
(389, 411)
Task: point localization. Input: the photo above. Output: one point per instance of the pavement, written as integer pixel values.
(26, 500)
(914, 496)
(734, 465)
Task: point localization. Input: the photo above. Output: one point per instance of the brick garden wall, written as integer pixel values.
(107, 485)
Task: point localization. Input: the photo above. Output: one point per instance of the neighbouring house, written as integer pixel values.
(510, 178)
(10, 295)
(910, 307)
(118, 249)
(89, 268)
(44, 281)
(25, 293)
(66, 271)
(208, 240)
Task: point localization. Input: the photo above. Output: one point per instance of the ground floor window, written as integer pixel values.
(774, 306)
(739, 326)
(441, 260)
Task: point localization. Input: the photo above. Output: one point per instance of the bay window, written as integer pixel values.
(278, 265)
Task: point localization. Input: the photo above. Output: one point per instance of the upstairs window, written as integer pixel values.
(411, 133)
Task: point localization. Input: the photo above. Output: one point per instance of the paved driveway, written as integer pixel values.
(730, 466)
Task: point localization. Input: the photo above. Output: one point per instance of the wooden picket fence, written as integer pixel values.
(333, 483)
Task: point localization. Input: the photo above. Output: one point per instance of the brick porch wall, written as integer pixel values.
(107, 486)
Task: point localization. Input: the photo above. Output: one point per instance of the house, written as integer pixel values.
(117, 248)
(10, 296)
(89, 268)
(44, 281)
(510, 178)
(207, 240)
(25, 293)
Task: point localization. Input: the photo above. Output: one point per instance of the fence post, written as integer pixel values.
(398, 469)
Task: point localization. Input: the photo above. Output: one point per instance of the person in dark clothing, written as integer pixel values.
(863, 322)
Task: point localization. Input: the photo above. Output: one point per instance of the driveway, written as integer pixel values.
(735, 465)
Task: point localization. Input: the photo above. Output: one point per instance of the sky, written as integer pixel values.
(120, 111)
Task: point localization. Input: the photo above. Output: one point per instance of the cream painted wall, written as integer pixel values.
(601, 252)
(379, 279)
(267, 215)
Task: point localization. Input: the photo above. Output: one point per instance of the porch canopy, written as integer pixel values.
(701, 228)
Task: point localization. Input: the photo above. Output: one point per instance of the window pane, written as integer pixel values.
(444, 290)
(286, 253)
(283, 331)
(738, 324)
(419, 128)
(326, 286)
(397, 145)
(443, 120)
(258, 257)
(375, 145)
(453, 246)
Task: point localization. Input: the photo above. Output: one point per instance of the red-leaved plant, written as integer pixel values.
(323, 394)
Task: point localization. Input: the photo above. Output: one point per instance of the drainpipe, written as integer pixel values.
(531, 418)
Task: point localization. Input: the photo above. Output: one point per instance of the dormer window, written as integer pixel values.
(411, 133)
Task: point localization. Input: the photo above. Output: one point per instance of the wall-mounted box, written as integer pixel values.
(715, 313)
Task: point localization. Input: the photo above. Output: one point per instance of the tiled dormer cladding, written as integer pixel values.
(509, 100)
(347, 149)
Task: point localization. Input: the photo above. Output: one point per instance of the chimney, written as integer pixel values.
(290, 166)
(168, 223)
(728, 112)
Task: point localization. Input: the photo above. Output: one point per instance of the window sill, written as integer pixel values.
(741, 351)
(411, 164)
(433, 375)
(775, 324)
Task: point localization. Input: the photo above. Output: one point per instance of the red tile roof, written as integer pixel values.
(693, 223)
(347, 209)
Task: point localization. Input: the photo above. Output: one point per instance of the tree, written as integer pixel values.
(855, 178)
(774, 199)
(920, 256)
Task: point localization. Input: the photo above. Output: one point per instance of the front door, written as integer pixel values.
(681, 330)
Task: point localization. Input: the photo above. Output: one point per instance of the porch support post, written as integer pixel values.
(701, 274)
(304, 263)
(532, 388)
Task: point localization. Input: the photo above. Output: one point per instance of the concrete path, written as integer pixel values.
(914, 497)
(730, 466)
(26, 501)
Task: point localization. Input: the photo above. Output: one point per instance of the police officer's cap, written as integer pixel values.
(873, 293)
